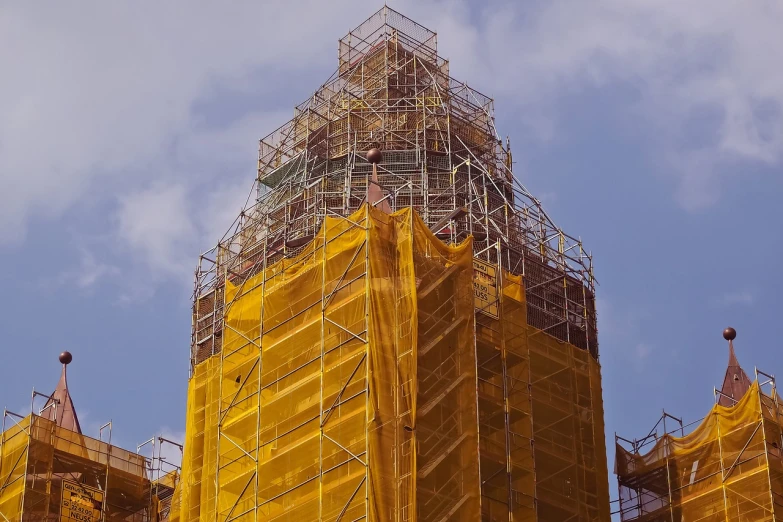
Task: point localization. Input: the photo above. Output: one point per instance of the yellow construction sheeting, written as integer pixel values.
(543, 455)
(175, 510)
(349, 385)
(14, 444)
(728, 468)
(505, 422)
(571, 473)
(42, 466)
(392, 368)
(445, 431)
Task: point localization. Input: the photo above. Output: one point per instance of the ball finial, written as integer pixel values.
(66, 357)
(729, 334)
(374, 155)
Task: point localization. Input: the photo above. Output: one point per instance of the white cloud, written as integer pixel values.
(154, 223)
(684, 62)
(89, 272)
(103, 92)
(166, 224)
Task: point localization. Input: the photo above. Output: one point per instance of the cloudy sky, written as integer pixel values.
(653, 129)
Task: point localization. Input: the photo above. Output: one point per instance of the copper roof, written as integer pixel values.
(64, 413)
(736, 381)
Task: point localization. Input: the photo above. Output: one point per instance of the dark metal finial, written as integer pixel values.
(729, 334)
(374, 155)
(66, 357)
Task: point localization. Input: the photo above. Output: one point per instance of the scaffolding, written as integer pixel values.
(438, 361)
(346, 387)
(50, 473)
(358, 381)
(725, 467)
(164, 477)
(541, 425)
(442, 157)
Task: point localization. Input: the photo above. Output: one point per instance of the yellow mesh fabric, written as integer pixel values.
(728, 468)
(176, 504)
(166, 497)
(772, 411)
(571, 472)
(279, 432)
(543, 455)
(445, 431)
(39, 461)
(328, 401)
(392, 369)
(505, 423)
(356, 380)
(14, 443)
(198, 462)
(313, 405)
(599, 470)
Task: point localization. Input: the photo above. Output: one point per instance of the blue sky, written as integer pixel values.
(653, 129)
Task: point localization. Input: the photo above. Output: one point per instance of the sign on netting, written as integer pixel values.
(485, 288)
(80, 503)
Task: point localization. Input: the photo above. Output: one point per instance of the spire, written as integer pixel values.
(736, 381)
(374, 190)
(64, 414)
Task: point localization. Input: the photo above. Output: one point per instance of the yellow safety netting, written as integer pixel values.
(727, 469)
(572, 480)
(447, 483)
(44, 467)
(345, 385)
(357, 380)
(13, 465)
(543, 455)
(505, 421)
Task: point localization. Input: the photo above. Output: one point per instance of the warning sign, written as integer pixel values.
(80, 503)
(485, 288)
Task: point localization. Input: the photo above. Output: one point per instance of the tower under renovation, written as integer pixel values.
(726, 467)
(393, 328)
(51, 471)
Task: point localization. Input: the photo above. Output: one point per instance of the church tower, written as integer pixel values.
(728, 467)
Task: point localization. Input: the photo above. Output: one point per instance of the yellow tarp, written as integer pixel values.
(350, 384)
(43, 465)
(14, 443)
(320, 373)
(549, 463)
(728, 468)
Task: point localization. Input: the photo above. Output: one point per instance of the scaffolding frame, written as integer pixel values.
(507, 461)
(442, 374)
(164, 477)
(38, 457)
(245, 389)
(442, 156)
(250, 391)
(651, 496)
